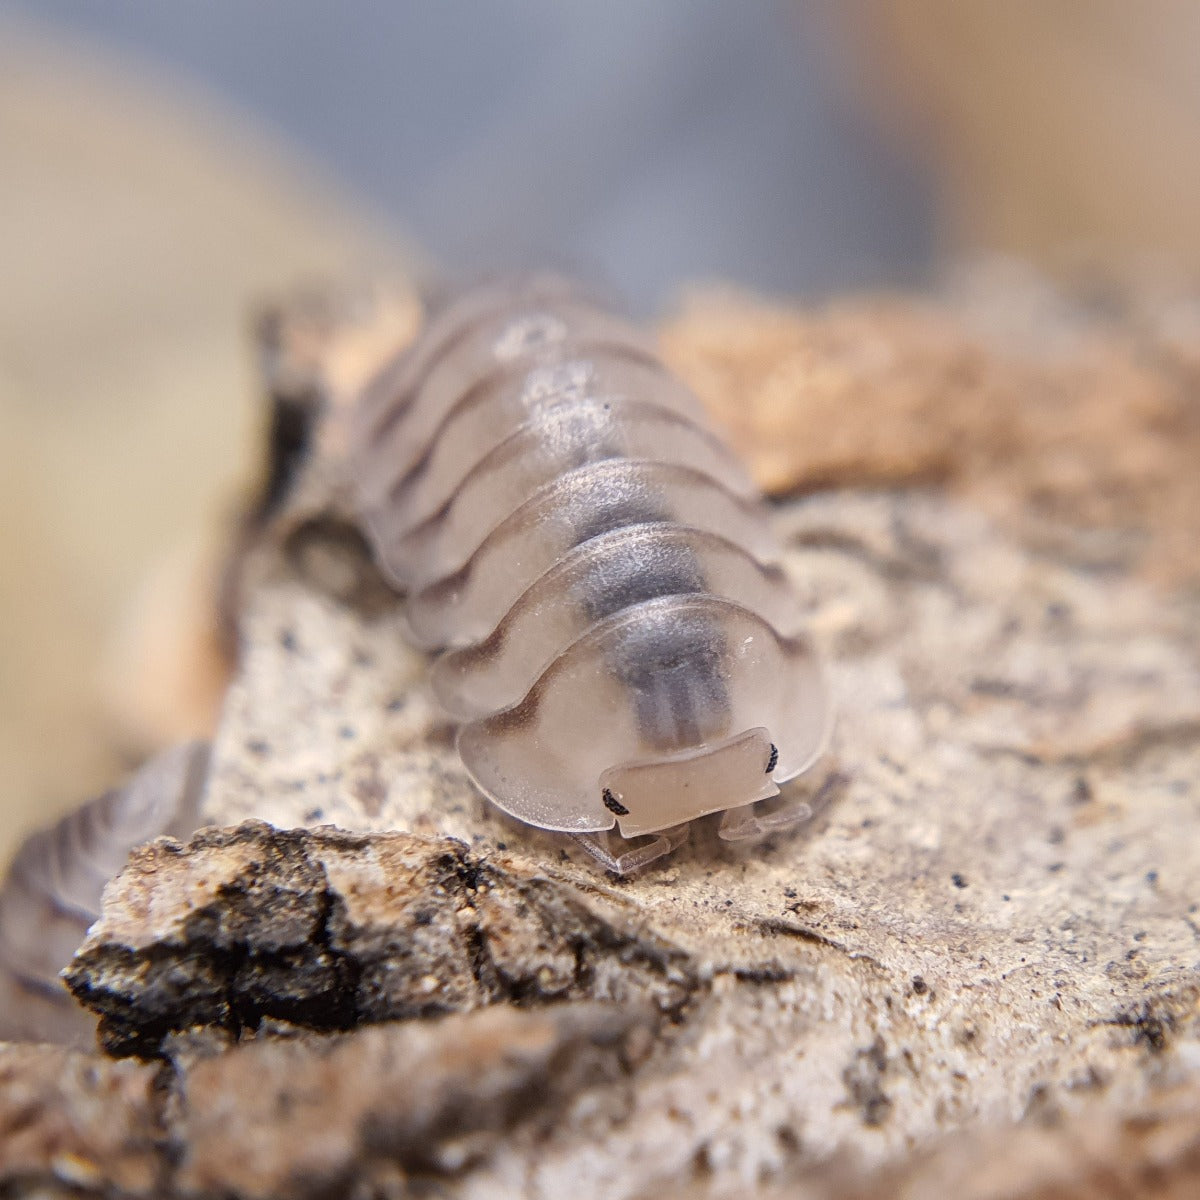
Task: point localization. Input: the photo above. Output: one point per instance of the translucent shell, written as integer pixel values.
(387, 398)
(469, 603)
(538, 452)
(671, 680)
(492, 351)
(468, 431)
(617, 569)
(618, 638)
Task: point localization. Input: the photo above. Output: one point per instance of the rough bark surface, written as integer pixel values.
(976, 972)
(327, 931)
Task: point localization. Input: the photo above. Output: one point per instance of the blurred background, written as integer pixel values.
(166, 168)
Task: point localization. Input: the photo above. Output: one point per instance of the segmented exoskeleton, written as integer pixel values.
(53, 889)
(619, 640)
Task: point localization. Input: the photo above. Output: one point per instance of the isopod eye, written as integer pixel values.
(613, 804)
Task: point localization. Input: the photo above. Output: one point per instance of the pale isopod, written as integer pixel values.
(618, 638)
(53, 889)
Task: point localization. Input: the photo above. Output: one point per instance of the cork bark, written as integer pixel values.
(974, 972)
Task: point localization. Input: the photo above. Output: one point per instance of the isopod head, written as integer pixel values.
(680, 707)
(650, 796)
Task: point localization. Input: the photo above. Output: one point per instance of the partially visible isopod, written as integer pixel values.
(619, 640)
(54, 885)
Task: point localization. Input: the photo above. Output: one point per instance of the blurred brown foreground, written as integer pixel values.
(137, 232)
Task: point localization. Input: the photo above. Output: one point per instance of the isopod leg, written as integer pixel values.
(737, 824)
(597, 845)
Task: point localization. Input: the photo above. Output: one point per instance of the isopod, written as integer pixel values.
(54, 885)
(598, 573)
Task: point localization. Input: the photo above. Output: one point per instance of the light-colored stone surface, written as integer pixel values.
(1088, 1149)
(997, 905)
